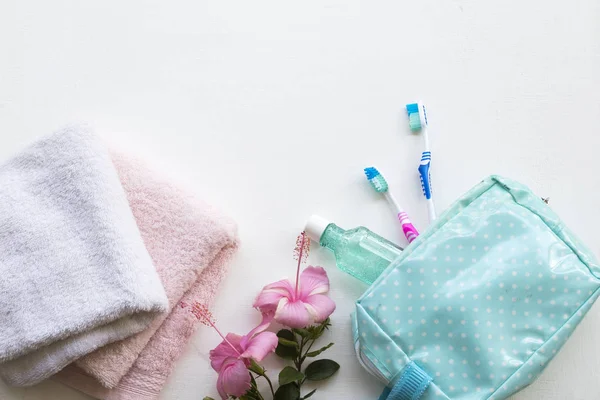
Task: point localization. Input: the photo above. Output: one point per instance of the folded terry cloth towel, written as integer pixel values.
(190, 244)
(74, 272)
(147, 377)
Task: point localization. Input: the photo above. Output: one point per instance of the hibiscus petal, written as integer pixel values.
(223, 351)
(313, 280)
(268, 298)
(234, 379)
(267, 318)
(261, 345)
(319, 306)
(294, 314)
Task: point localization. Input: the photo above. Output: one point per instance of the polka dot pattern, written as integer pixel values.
(483, 303)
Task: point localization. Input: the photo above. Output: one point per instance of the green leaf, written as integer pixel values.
(317, 352)
(286, 334)
(289, 375)
(256, 368)
(321, 369)
(302, 332)
(288, 343)
(287, 352)
(308, 395)
(287, 392)
(208, 398)
(316, 331)
(325, 325)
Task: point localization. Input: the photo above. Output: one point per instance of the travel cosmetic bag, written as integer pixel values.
(478, 305)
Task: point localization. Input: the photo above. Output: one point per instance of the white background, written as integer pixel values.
(271, 109)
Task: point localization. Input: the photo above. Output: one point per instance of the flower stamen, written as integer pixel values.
(301, 254)
(203, 314)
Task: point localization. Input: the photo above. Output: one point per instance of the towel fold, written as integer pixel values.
(147, 377)
(74, 272)
(190, 243)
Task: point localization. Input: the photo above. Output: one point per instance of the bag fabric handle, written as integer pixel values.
(412, 384)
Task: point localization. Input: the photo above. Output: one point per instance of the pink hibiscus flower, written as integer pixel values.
(303, 304)
(231, 357)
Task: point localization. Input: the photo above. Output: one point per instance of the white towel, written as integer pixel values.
(74, 272)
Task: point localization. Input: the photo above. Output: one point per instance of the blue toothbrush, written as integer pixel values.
(417, 120)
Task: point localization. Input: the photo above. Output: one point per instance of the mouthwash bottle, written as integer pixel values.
(358, 252)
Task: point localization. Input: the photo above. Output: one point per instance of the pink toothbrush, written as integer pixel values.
(380, 185)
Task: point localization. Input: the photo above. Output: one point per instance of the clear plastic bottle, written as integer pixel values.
(358, 252)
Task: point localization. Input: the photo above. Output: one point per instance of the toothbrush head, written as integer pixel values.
(414, 116)
(376, 180)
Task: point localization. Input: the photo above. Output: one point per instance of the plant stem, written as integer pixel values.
(298, 361)
(264, 375)
(256, 387)
(307, 350)
(270, 384)
(260, 395)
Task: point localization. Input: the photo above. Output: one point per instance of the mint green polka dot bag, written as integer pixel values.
(477, 305)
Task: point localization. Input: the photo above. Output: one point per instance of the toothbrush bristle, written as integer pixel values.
(414, 119)
(376, 179)
(412, 108)
(371, 172)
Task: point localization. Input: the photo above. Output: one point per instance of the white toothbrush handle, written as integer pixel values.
(431, 210)
(425, 164)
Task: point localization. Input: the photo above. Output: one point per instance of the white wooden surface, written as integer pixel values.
(272, 108)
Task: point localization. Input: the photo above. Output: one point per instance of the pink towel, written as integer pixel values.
(190, 244)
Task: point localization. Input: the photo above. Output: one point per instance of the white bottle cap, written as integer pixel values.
(315, 226)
